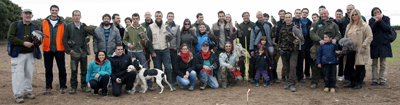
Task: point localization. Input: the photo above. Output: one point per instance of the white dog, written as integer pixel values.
(146, 74)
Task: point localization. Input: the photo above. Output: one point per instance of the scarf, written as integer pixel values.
(98, 62)
(205, 55)
(185, 56)
(159, 24)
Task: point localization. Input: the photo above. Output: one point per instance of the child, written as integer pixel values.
(327, 57)
(262, 66)
(263, 41)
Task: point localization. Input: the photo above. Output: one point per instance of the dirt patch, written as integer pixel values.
(234, 95)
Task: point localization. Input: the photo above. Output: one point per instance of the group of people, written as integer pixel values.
(203, 52)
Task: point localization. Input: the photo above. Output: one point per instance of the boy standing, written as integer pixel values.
(327, 57)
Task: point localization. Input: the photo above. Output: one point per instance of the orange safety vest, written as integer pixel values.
(46, 40)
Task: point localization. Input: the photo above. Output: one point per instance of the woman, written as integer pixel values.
(360, 33)
(188, 35)
(202, 37)
(185, 70)
(228, 19)
(380, 46)
(98, 74)
(128, 22)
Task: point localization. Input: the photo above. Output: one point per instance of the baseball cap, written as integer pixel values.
(205, 43)
(27, 10)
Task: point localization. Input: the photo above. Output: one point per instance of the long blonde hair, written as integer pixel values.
(360, 19)
(230, 22)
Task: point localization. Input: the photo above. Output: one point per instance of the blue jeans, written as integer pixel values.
(211, 81)
(163, 57)
(191, 80)
(140, 56)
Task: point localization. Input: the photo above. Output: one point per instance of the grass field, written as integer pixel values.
(395, 50)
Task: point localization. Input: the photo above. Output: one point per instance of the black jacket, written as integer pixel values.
(262, 61)
(199, 63)
(182, 66)
(380, 46)
(119, 65)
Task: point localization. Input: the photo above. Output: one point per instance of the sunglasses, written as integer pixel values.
(187, 24)
(354, 15)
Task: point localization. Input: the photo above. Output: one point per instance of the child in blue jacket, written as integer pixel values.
(327, 58)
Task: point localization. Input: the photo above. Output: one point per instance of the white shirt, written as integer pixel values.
(53, 22)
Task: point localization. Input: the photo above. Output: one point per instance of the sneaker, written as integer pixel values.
(182, 87)
(173, 88)
(277, 81)
(383, 84)
(257, 84)
(203, 85)
(19, 100)
(104, 96)
(326, 89)
(374, 83)
(308, 77)
(130, 92)
(86, 89)
(333, 90)
(72, 91)
(191, 88)
(29, 96)
(340, 78)
(286, 86)
(150, 88)
(346, 82)
(266, 84)
(47, 91)
(313, 86)
(63, 90)
(301, 81)
(292, 88)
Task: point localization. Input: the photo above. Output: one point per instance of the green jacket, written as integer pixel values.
(318, 30)
(197, 28)
(12, 37)
(132, 37)
(76, 35)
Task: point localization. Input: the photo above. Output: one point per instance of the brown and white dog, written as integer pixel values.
(146, 74)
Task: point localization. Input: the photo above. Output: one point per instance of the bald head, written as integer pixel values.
(349, 8)
(260, 16)
(147, 16)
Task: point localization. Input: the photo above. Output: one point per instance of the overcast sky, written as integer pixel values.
(92, 10)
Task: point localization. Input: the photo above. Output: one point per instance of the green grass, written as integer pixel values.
(395, 51)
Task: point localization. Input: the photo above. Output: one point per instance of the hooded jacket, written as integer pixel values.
(99, 41)
(95, 68)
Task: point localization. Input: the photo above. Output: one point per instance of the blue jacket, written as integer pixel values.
(95, 68)
(200, 40)
(327, 55)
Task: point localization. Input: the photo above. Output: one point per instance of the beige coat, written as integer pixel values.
(362, 41)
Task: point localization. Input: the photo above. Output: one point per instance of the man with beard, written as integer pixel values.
(107, 36)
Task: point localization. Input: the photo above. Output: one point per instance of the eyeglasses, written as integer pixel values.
(354, 15)
(187, 24)
(305, 12)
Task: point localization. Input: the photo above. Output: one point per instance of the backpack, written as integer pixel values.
(392, 35)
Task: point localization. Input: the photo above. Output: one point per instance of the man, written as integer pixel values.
(117, 23)
(308, 43)
(145, 24)
(280, 23)
(343, 22)
(74, 32)
(53, 47)
(260, 28)
(159, 46)
(289, 49)
(228, 61)
(200, 19)
(243, 33)
(135, 48)
(207, 65)
(222, 30)
(175, 41)
(107, 36)
(22, 64)
(266, 17)
(314, 18)
(320, 8)
(338, 15)
(119, 75)
(298, 21)
(322, 26)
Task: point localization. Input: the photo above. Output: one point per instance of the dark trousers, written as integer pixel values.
(251, 71)
(48, 64)
(309, 62)
(300, 61)
(173, 54)
(356, 75)
(103, 83)
(342, 69)
(289, 61)
(127, 79)
(330, 75)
